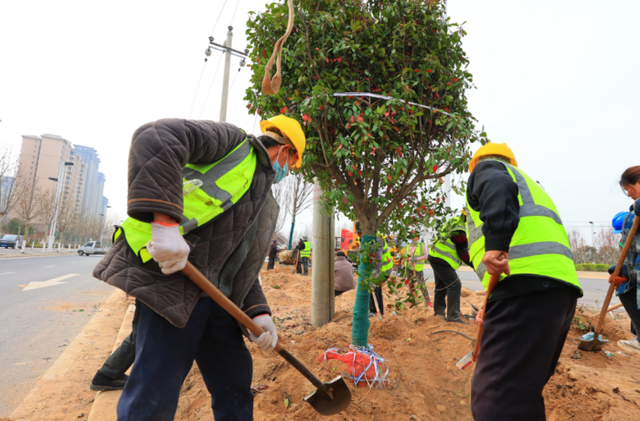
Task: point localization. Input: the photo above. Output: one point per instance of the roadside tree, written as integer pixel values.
(8, 177)
(380, 88)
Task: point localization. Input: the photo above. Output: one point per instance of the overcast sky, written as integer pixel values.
(555, 81)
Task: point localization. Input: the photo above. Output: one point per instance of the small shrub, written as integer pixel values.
(592, 267)
(276, 286)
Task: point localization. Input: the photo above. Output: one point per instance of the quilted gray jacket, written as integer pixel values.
(229, 250)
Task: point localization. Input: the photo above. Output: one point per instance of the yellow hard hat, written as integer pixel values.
(289, 128)
(499, 149)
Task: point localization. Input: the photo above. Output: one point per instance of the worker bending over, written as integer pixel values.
(515, 230)
(449, 251)
(627, 282)
(198, 191)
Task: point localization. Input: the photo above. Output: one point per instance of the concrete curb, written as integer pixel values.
(105, 403)
(36, 254)
(77, 362)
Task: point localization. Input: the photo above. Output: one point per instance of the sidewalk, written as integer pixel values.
(63, 393)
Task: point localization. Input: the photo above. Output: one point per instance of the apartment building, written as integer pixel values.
(50, 156)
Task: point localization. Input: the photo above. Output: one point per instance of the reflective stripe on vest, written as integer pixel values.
(307, 250)
(419, 266)
(444, 248)
(223, 183)
(539, 245)
(387, 261)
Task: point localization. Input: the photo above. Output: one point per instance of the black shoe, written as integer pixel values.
(457, 321)
(102, 382)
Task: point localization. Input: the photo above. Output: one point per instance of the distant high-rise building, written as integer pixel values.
(6, 190)
(100, 189)
(92, 198)
(44, 157)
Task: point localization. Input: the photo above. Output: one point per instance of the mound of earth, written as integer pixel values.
(421, 352)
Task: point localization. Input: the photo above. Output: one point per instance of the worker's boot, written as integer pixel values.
(630, 346)
(102, 382)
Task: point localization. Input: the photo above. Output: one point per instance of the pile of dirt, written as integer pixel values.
(425, 381)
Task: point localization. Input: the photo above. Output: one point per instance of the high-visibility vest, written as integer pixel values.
(444, 247)
(539, 246)
(387, 261)
(223, 183)
(419, 266)
(307, 250)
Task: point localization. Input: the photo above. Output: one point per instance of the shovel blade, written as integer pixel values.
(592, 345)
(466, 361)
(592, 342)
(329, 405)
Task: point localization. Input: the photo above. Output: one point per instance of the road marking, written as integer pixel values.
(6, 273)
(50, 282)
(50, 266)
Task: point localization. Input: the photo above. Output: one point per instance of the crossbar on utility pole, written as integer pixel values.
(323, 263)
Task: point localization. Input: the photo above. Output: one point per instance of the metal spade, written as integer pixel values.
(328, 399)
(596, 344)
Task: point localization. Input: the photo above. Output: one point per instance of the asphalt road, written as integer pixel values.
(594, 289)
(38, 321)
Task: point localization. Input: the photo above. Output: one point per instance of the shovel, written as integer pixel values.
(596, 344)
(328, 399)
(471, 357)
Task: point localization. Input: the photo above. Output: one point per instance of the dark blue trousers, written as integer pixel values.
(165, 354)
(521, 344)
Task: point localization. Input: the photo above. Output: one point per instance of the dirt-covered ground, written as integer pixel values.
(586, 386)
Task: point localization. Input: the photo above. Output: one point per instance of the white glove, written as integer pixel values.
(269, 338)
(168, 248)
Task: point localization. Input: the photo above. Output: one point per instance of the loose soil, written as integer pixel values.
(426, 385)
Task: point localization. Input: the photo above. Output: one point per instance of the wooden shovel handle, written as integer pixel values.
(216, 295)
(623, 255)
(492, 284)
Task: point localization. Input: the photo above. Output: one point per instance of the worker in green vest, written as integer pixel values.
(305, 255)
(447, 253)
(199, 191)
(381, 273)
(415, 253)
(515, 232)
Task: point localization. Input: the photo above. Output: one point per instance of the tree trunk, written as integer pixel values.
(360, 326)
(293, 224)
(26, 235)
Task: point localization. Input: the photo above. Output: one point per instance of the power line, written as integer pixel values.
(205, 60)
(211, 86)
(197, 88)
(234, 12)
(219, 14)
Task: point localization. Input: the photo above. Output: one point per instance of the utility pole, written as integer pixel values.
(323, 264)
(226, 48)
(225, 80)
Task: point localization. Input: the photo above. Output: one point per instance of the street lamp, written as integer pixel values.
(57, 207)
(102, 225)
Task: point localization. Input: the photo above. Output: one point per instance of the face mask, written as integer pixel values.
(280, 172)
